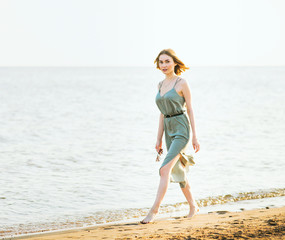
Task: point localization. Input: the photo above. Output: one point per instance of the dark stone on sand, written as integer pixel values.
(271, 222)
(242, 209)
(222, 212)
(238, 234)
(267, 207)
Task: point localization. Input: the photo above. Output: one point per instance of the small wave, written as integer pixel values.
(241, 196)
(120, 215)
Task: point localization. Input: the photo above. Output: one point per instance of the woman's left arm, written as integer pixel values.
(187, 95)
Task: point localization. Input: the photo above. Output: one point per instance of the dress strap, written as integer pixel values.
(160, 84)
(176, 82)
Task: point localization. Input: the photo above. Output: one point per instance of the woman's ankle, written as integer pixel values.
(154, 210)
(193, 205)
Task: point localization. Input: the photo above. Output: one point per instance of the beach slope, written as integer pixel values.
(249, 224)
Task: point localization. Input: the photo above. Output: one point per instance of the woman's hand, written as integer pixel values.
(159, 150)
(158, 145)
(196, 144)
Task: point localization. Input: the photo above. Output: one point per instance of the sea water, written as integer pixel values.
(77, 145)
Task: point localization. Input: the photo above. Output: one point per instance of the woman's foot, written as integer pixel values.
(149, 217)
(193, 210)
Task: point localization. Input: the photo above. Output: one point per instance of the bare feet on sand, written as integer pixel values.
(149, 217)
(193, 210)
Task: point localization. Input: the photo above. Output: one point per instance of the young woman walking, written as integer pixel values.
(173, 100)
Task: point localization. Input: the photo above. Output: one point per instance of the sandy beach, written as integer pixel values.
(267, 223)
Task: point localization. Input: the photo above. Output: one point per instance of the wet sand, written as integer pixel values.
(250, 224)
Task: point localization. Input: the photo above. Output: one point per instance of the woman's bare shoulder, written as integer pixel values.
(182, 85)
(182, 81)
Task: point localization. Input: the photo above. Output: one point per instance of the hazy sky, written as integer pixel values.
(132, 32)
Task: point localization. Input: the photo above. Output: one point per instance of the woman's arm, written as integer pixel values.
(187, 95)
(160, 128)
(188, 100)
(160, 123)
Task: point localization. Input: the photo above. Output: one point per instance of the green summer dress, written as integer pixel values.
(176, 129)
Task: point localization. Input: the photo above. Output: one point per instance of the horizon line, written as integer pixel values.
(91, 66)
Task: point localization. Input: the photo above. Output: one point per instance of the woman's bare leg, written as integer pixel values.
(162, 188)
(190, 199)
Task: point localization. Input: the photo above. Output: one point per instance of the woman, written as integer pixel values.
(172, 99)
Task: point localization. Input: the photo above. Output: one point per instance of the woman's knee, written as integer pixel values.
(166, 169)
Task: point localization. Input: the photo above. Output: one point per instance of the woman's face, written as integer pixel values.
(166, 64)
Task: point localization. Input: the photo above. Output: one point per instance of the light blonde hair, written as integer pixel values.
(179, 68)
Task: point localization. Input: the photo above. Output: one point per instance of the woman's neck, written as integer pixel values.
(170, 77)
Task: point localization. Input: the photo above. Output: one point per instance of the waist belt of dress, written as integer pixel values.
(167, 116)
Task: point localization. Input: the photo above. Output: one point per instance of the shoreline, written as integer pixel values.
(259, 223)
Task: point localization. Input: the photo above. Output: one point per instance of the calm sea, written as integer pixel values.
(77, 145)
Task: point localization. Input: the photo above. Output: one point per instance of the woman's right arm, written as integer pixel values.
(160, 128)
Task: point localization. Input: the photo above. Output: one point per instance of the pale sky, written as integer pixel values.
(133, 32)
